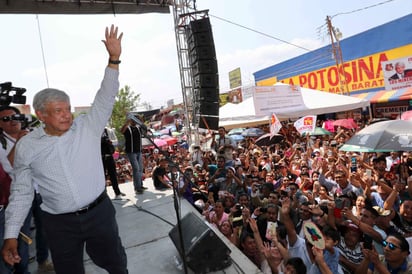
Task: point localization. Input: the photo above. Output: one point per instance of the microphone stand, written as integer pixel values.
(175, 201)
(175, 194)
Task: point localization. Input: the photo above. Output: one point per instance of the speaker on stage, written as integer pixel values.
(202, 58)
(204, 250)
(207, 94)
(211, 122)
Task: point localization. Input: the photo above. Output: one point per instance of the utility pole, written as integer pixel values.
(335, 35)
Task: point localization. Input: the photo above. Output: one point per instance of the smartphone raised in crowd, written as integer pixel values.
(354, 164)
(369, 173)
(367, 241)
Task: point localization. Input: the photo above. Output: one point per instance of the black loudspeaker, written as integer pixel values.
(204, 66)
(211, 122)
(202, 58)
(207, 94)
(206, 81)
(204, 250)
(209, 108)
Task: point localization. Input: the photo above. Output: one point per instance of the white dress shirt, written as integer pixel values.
(67, 168)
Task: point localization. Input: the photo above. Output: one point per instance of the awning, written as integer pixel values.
(384, 96)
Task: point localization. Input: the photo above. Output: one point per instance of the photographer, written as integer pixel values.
(224, 145)
(217, 174)
(196, 156)
(11, 132)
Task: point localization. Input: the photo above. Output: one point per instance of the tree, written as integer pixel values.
(126, 101)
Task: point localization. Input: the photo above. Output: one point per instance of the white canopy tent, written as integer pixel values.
(240, 115)
(314, 103)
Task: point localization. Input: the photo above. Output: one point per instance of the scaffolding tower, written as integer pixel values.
(184, 11)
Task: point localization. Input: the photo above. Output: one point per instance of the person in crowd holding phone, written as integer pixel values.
(367, 225)
(340, 185)
(393, 260)
(269, 222)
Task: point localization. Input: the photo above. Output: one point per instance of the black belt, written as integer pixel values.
(90, 206)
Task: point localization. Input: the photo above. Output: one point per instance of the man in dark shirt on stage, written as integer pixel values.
(133, 147)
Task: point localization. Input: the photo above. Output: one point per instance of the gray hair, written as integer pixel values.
(400, 64)
(48, 95)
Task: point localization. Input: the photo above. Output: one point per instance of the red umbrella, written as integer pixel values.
(346, 123)
(170, 140)
(160, 142)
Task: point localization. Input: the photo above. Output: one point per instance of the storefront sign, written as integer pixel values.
(390, 111)
(360, 74)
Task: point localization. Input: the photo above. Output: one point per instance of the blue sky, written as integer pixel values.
(75, 56)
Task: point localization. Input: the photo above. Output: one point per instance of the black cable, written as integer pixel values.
(259, 32)
(360, 9)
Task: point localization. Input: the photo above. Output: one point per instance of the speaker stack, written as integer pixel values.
(204, 250)
(202, 57)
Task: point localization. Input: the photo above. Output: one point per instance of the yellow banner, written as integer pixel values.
(235, 78)
(359, 74)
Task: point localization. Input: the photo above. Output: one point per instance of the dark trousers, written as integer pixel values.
(110, 166)
(97, 229)
(42, 248)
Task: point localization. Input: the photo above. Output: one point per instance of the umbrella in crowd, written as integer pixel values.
(237, 137)
(160, 142)
(318, 131)
(253, 132)
(265, 139)
(238, 130)
(393, 135)
(346, 123)
(169, 140)
(176, 133)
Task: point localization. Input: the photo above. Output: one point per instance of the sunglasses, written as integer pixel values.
(391, 245)
(7, 118)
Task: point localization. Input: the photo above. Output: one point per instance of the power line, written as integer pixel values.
(42, 51)
(324, 27)
(361, 9)
(259, 32)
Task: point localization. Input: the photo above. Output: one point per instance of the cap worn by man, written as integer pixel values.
(382, 212)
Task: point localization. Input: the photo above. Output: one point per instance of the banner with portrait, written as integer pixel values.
(397, 73)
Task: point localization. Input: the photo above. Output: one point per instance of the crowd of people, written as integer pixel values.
(300, 205)
(263, 197)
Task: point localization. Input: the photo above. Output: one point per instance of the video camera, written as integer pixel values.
(16, 98)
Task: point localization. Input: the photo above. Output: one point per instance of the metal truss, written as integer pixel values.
(184, 11)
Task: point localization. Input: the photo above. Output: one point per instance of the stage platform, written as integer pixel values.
(144, 222)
